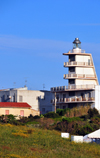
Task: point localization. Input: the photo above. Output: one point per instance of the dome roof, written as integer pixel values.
(77, 41)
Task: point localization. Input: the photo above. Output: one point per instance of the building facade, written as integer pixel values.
(45, 103)
(82, 80)
(40, 101)
(22, 95)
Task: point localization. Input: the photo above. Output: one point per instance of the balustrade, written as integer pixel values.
(74, 99)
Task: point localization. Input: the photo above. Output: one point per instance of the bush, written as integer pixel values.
(71, 119)
(36, 117)
(51, 115)
(23, 120)
(84, 117)
(30, 116)
(92, 112)
(62, 112)
(95, 120)
(85, 129)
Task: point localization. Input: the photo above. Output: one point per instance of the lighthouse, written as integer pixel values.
(82, 80)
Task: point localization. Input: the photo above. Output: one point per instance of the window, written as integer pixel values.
(57, 96)
(72, 58)
(71, 69)
(6, 112)
(20, 98)
(57, 107)
(3, 98)
(72, 81)
(71, 94)
(64, 95)
(43, 109)
(22, 112)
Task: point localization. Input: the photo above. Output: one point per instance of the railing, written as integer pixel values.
(74, 63)
(72, 87)
(78, 76)
(75, 99)
(76, 51)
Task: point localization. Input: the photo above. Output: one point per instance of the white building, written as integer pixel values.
(83, 87)
(38, 100)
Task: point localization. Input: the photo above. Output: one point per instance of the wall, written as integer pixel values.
(85, 82)
(84, 70)
(97, 97)
(16, 111)
(45, 103)
(82, 58)
(30, 97)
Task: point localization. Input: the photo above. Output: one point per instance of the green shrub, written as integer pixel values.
(71, 119)
(36, 117)
(85, 129)
(84, 117)
(92, 112)
(51, 115)
(30, 116)
(62, 112)
(23, 120)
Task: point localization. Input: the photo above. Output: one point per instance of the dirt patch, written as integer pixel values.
(6, 148)
(37, 150)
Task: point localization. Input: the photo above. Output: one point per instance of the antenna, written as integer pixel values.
(14, 84)
(25, 81)
(43, 86)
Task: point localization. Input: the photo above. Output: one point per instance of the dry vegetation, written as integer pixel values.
(35, 137)
(24, 142)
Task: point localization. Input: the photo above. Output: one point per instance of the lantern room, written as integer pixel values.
(76, 43)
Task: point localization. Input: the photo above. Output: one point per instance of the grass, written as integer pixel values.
(23, 142)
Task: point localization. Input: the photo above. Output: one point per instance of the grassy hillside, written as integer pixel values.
(25, 142)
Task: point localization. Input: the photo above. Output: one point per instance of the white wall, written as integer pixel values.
(84, 70)
(31, 97)
(97, 97)
(85, 82)
(82, 58)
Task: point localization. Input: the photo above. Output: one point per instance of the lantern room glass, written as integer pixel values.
(77, 45)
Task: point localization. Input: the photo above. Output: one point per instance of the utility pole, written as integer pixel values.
(55, 102)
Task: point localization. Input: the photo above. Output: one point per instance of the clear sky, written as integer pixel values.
(35, 33)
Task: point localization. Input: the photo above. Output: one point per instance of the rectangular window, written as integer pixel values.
(57, 96)
(71, 69)
(22, 112)
(43, 109)
(64, 107)
(72, 81)
(3, 98)
(64, 95)
(20, 98)
(6, 112)
(71, 58)
(72, 94)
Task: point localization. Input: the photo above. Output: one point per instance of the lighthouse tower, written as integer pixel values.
(81, 77)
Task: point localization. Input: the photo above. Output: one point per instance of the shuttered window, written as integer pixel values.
(22, 112)
(6, 112)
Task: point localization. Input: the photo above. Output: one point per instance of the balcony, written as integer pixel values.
(79, 76)
(72, 88)
(73, 100)
(74, 63)
(76, 51)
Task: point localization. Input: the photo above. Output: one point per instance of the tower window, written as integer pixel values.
(71, 94)
(72, 81)
(71, 69)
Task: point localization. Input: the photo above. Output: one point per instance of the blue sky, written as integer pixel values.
(35, 33)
